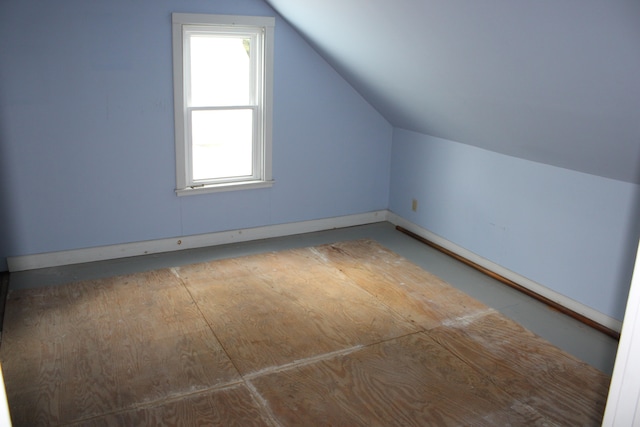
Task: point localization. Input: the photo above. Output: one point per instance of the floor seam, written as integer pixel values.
(262, 403)
(465, 320)
(353, 282)
(302, 362)
(321, 357)
(174, 270)
(159, 402)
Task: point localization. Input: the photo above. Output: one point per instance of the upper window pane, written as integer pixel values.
(220, 70)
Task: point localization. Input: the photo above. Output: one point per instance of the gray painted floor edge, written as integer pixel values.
(583, 342)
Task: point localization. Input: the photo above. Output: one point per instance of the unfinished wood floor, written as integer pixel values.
(348, 334)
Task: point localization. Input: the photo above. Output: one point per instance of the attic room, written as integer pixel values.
(506, 133)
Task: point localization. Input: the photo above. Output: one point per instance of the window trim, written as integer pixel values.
(185, 185)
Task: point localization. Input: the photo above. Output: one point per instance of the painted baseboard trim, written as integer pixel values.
(586, 311)
(102, 253)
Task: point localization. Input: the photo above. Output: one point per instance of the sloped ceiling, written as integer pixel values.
(552, 81)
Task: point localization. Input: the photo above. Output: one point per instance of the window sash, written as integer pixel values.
(260, 32)
(256, 152)
(256, 63)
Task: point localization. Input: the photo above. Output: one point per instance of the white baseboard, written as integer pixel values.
(101, 253)
(76, 256)
(586, 311)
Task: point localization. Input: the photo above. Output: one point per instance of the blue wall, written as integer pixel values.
(86, 130)
(87, 156)
(572, 232)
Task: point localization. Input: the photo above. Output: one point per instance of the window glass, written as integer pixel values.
(220, 70)
(222, 143)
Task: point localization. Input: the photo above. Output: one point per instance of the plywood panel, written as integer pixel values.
(89, 348)
(411, 291)
(288, 306)
(409, 381)
(562, 388)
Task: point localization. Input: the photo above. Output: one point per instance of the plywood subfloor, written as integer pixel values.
(345, 334)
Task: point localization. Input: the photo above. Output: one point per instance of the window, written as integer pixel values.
(222, 67)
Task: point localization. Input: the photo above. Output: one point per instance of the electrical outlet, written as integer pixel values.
(414, 205)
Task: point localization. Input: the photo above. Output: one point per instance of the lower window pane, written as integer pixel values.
(222, 142)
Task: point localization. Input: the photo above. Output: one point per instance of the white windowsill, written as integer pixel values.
(230, 186)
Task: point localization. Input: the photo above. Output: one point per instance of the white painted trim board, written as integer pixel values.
(101, 253)
(584, 310)
(623, 403)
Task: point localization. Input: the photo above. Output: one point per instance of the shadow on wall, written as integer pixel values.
(7, 234)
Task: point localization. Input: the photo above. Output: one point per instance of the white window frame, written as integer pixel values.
(183, 23)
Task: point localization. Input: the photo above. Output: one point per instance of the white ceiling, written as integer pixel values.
(553, 81)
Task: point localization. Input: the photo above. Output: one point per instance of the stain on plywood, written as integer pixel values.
(291, 306)
(417, 294)
(530, 369)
